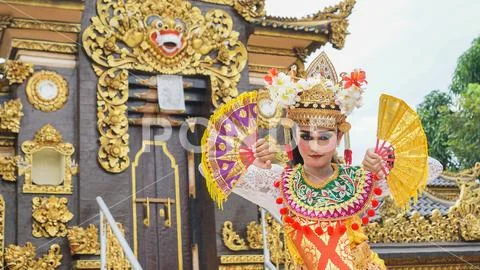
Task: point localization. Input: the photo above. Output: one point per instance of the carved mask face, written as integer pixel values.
(167, 35)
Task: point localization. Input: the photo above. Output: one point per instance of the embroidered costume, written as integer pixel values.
(322, 222)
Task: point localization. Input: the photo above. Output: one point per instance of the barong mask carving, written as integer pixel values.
(167, 34)
(167, 37)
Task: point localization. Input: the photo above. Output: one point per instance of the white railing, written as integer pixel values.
(267, 263)
(106, 215)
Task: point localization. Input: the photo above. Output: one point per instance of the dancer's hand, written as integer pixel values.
(264, 154)
(373, 163)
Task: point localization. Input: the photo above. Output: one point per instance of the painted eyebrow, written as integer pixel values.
(309, 132)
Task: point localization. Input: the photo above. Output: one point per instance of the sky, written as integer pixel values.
(407, 48)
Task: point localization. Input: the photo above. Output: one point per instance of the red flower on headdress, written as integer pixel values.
(357, 78)
(273, 72)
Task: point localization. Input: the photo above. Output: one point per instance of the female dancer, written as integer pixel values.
(321, 202)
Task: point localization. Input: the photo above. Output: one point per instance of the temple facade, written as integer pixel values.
(104, 98)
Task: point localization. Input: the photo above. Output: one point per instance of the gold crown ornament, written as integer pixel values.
(317, 101)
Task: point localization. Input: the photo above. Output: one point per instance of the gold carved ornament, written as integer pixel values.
(48, 138)
(275, 241)
(254, 235)
(8, 167)
(167, 37)
(337, 15)
(416, 228)
(45, 25)
(50, 217)
(461, 222)
(11, 115)
(248, 9)
(20, 258)
(231, 239)
(464, 175)
(242, 267)
(45, 46)
(37, 91)
(241, 259)
(87, 264)
(116, 258)
(83, 240)
(467, 208)
(2, 231)
(16, 71)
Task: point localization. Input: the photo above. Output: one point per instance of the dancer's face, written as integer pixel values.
(317, 145)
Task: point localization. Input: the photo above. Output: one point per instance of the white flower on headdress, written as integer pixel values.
(349, 99)
(349, 96)
(283, 89)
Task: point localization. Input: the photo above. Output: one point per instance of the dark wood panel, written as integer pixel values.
(151, 95)
(150, 81)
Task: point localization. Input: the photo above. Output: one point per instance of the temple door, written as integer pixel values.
(160, 204)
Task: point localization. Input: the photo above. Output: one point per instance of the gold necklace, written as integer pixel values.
(323, 183)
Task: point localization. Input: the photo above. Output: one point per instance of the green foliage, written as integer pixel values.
(464, 137)
(468, 68)
(454, 134)
(435, 114)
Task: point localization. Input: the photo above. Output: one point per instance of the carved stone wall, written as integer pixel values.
(65, 121)
(115, 188)
(95, 181)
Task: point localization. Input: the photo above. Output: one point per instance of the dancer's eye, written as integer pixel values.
(325, 137)
(306, 137)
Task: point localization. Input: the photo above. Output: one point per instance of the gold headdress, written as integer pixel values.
(320, 100)
(317, 107)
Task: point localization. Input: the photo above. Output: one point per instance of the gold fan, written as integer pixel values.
(402, 143)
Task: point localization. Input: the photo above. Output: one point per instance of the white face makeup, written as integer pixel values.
(320, 141)
(316, 145)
